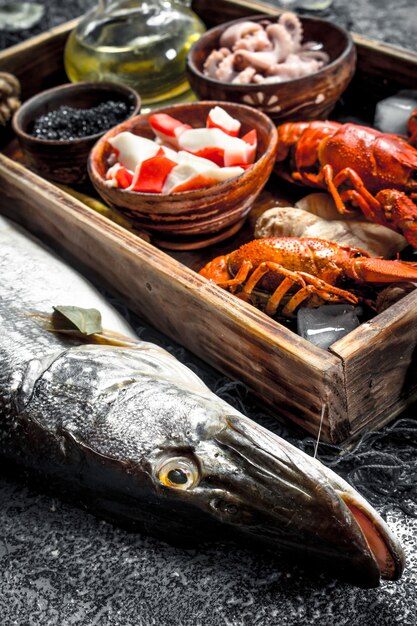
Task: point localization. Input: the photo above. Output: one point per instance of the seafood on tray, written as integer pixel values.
(264, 52)
(360, 167)
(127, 430)
(181, 158)
(304, 220)
(303, 269)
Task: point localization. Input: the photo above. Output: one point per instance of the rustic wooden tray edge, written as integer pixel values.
(287, 373)
(259, 351)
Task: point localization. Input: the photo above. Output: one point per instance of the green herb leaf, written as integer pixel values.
(75, 319)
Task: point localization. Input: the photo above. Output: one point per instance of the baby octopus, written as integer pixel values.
(263, 52)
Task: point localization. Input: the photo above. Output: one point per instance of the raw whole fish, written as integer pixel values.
(138, 438)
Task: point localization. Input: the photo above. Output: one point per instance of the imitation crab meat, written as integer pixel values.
(219, 118)
(182, 158)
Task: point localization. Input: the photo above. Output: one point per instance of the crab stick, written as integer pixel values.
(151, 174)
(215, 145)
(219, 118)
(167, 128)
(119, 176)
(132, 149)
(184, 177)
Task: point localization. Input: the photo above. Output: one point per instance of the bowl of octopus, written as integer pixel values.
(290, 67)
(187, 173)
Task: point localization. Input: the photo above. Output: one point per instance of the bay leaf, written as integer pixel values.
(76, 319)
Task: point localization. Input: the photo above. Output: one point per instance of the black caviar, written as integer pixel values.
(71, 123)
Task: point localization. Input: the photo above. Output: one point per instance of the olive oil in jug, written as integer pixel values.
(142, 44)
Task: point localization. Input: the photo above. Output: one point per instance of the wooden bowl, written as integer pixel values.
(65, 161)
(196, 218)
(307, 98)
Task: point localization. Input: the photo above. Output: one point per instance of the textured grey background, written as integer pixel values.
(390, 21)
(61, 566)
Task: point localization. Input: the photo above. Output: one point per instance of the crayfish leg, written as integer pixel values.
(328, 291)
(275, 300)
(240, 277)
(369, 204)
(354, 197)
(297, 299)
(309, 290)
(270, 266)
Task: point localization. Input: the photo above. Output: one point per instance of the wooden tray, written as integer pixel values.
(363, 381)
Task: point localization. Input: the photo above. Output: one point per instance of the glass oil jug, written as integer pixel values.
(139, 43)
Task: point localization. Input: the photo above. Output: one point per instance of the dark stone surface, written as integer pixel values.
(394, 23)
(61, 566)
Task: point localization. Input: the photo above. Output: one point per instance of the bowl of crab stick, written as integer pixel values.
(188, 173)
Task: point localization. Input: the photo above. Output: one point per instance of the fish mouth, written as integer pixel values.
(382, 544)
(299, 504)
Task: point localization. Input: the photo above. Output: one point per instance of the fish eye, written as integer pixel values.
(178, 473)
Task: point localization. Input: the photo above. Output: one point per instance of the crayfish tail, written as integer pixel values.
(374, 270)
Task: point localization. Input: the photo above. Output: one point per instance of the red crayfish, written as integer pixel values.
(359, 166)
(315, 266)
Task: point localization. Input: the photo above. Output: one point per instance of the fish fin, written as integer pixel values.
(35, 368)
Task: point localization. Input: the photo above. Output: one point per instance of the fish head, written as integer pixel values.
(186, 460)
(269, 492)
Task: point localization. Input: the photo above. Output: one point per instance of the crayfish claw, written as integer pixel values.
(375, 270)
(399, 213)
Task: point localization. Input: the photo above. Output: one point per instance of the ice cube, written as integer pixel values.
(328, 323)
(392, 114)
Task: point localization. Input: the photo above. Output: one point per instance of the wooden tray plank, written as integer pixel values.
(366, 379)
(380, 361)
(227, 333)
(37, 62)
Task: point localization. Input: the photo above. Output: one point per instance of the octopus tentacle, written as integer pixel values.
(293, 26)
(238, 31)
(256, 52)
(282, 41)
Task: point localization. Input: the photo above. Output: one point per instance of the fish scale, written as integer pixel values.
(87, 375)
(127, 431)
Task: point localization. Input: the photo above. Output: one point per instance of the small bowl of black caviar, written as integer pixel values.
(58, 127)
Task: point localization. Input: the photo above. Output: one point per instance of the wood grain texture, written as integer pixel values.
(286, 372)
(380, 362)
(366, 379)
